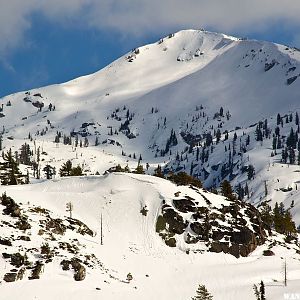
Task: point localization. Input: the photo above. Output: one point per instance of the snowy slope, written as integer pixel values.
(176, 85)
(130, 245)
(160, 86)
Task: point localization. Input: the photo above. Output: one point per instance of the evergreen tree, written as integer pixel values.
(258, 133)
(240, 192)
(226, 190)
(266, 215)
(158, 172)
(9, 170)
(76, 171)
(274, 143)
(96, 141)
(218, 136)
(292, 156)
(139, 169)
(221, 111)
(49, 171)
(250, 172)
(66, 169)
(202, 293)
(262, 291)
(256, 292)
(86, 142)
(278, 119)
(284, 155)
(25, 154)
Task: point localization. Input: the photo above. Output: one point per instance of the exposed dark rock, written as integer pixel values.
(235, 250)
(244, 236)
(65, 264)
(37, 270)
(171, 242)
(268, 253)
(5, 242)
(17, 260)
(82, 228)
(10, 277)
(21, 273)
(56, 226)
(79, 269)
(11, 207)
(24, 238)
(290, 80)
(175, 221)
(197, 228)
(184, 205)
(22, 224)
(222, 229)
(269, 66)
(217, 235)
(6, 255)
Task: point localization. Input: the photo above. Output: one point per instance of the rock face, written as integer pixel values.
(11, 208)
(79, 269)
(232, 227)
(28, 262)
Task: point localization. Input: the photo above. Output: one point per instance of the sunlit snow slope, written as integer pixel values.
(131, 245)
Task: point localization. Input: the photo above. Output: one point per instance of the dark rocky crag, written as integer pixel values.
(235, 227)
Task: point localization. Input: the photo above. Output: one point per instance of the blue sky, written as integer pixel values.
(57, 41)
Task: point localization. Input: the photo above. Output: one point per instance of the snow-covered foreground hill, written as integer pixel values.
(130, 245)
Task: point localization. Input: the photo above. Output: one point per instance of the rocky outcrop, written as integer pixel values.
(79, 269)
(11, 208)
(52, 242)
(234, 227)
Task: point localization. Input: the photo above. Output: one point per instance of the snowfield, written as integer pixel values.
(131, 245)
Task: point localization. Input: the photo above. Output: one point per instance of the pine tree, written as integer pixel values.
(278, 119)
(218, 136)
(25, 154)
(266, 215)
(158, 172)
(66, 169)
(256, 292)
(226, 190)
(202, 293)
(262, 291)
(97, 141)
(49, 171)
(9, 170)
(139, 169)
(250, 172)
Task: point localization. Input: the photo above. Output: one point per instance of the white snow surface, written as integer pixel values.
(130, 245)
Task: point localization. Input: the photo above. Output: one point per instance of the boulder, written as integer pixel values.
(10, 277)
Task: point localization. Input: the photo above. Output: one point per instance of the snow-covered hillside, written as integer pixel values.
(214, 106)
(178, 84)
(130, 245)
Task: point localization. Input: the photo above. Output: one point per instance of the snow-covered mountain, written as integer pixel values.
(212, 105)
